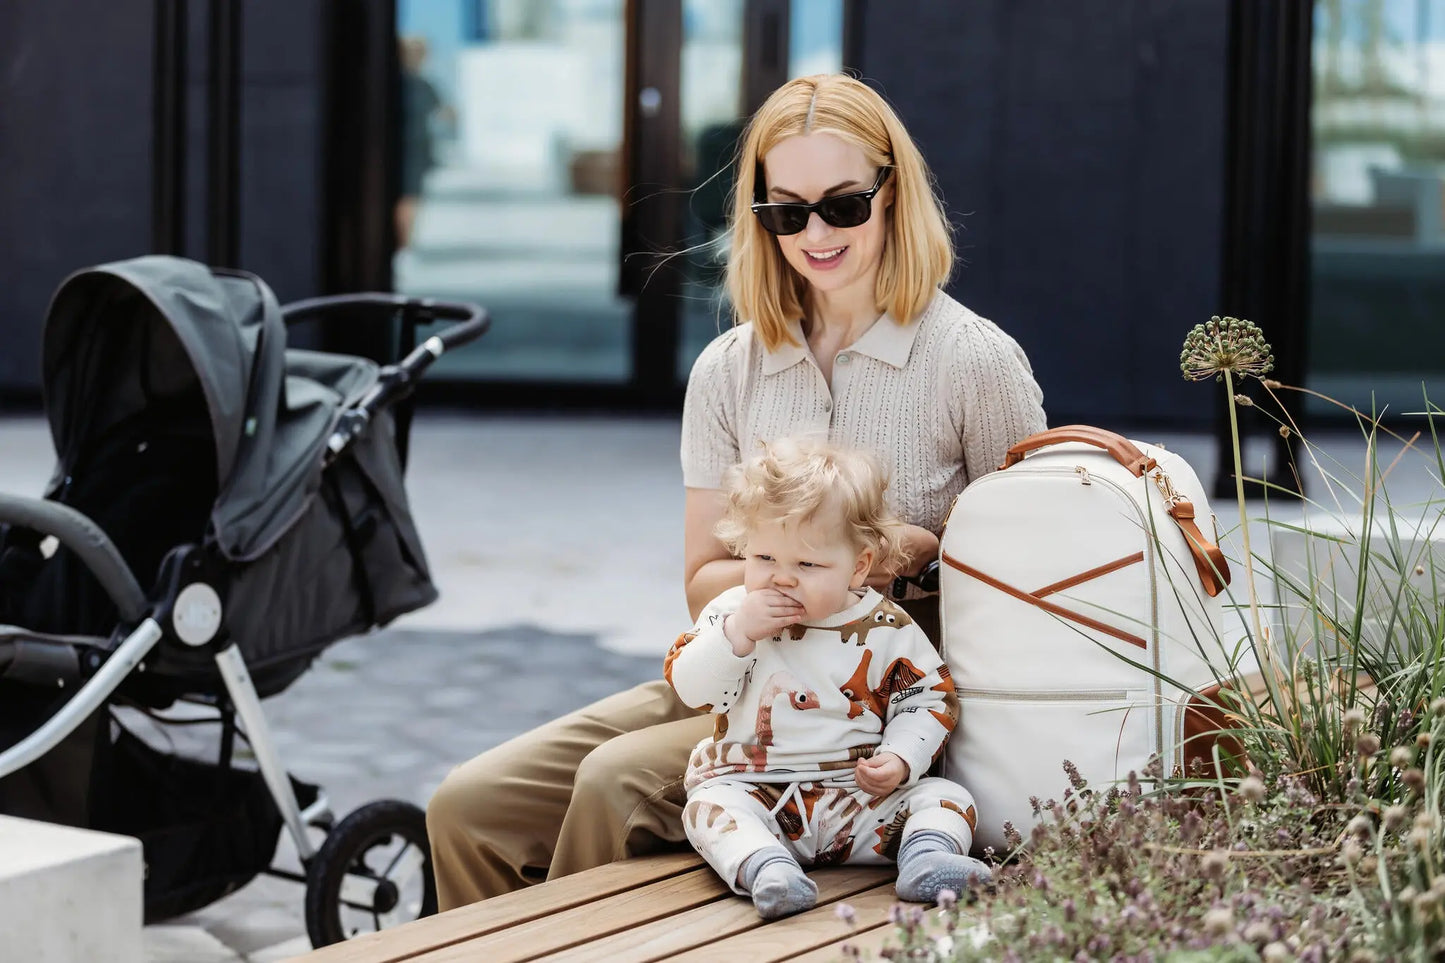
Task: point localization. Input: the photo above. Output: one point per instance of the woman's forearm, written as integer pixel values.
(711, 580)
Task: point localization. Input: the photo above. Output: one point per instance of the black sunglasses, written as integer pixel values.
(840, 210)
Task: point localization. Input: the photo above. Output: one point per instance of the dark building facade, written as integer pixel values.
(1118, 170)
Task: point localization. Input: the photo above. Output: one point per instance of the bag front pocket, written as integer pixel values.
(1010, 746)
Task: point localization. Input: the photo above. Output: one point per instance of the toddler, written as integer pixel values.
(830, 703)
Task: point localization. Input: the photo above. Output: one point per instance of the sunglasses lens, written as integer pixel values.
(846, 211)
(783, 218)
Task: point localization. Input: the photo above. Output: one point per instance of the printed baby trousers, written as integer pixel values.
(727, 820)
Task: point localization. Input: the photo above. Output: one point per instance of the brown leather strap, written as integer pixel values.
(1050, 607)
(1091, 574)
(1124, 451)
(1208, 559)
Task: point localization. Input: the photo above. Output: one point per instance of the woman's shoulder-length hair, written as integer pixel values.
(918, 246)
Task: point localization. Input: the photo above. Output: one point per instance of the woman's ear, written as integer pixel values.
(861, 569)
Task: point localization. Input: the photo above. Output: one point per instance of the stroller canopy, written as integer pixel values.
(126, 337)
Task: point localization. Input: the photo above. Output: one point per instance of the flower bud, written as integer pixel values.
(1438, 706)
(1353, 719)
(1218, 921)
(1251, 789)
(1360, 826)
(1401, 756)
(1422, 741)
(1367, 745)
(1395, 817)
(1413, 779)
(1351, 851)
(1214, 864)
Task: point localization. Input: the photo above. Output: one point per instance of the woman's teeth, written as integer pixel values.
(825, 255)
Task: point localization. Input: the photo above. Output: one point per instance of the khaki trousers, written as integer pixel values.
(597, 785)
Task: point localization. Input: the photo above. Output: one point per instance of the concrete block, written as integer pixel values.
(69, 895)
(1402, 561)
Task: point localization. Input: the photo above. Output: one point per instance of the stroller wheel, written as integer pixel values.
(372, 872)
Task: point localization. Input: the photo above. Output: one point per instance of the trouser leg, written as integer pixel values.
(495, 820)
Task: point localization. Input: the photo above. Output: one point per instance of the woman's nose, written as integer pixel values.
(817, 228)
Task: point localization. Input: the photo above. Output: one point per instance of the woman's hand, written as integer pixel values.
(922, 548)
(881, 774)
(762, 613)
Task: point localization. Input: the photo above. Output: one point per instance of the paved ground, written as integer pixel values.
(557, 546)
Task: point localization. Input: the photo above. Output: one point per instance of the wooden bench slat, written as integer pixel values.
(467, 922)
(621, 911)
(663, 939)
(870, 940)
(794, 935)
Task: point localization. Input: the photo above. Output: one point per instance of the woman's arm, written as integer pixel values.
(708, 568)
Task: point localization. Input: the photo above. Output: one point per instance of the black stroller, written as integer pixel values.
(223, 509)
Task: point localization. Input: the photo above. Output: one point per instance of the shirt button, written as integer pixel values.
(844, 358)
(827, 406)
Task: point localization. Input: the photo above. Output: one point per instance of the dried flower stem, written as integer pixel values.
(1262, 644)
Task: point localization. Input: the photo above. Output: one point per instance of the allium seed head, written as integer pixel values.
(1401, 756)
(1420, 838)
(1252, 789)
(1360, 826)
(1225, 344)
(1367, 745)
(1414, 780)
(1351, 851)
(1353, 718)
(1395, 817)
(1423, 740)
(1438, 706)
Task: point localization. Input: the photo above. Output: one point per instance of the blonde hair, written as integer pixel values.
(796, 480)
(918, 244)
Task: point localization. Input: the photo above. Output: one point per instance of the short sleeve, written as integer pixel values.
(1001, 403)
(709, 414)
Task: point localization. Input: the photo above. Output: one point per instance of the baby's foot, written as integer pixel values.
(925, 875)
(781, 888)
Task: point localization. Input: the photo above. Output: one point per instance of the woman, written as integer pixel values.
(839, 250)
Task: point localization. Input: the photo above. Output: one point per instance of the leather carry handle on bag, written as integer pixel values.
(1208, 559)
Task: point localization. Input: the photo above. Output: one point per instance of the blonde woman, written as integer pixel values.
(839, 252)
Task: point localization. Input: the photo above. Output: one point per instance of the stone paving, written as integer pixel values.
(557, 545)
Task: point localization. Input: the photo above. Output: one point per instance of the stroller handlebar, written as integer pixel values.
(85, 538)
(395, 381)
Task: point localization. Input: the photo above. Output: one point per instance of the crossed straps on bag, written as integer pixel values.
(1209, 561)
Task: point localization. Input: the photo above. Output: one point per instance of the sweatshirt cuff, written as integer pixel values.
(716, 658)
(918, 761)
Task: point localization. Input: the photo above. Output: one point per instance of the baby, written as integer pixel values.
(830, 703)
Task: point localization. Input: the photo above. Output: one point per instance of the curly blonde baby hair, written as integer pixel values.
(798, 480)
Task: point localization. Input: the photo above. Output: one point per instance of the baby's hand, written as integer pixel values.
(762, 613)
(880, 774)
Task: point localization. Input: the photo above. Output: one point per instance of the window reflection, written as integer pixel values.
(515, 166)
(1379, 212)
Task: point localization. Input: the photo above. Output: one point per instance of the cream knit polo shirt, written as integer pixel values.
(939, 400)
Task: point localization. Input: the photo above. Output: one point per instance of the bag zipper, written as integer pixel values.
(1045, 695)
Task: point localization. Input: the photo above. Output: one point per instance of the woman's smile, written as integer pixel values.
(825, 259)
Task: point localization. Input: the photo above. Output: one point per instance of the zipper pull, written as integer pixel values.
(1083, 475)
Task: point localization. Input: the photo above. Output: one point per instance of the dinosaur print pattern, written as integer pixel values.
(885, 614)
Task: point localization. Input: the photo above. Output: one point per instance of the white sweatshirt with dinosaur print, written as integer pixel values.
(807, 704)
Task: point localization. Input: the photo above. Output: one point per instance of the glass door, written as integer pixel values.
(512, 183)
(734, 53)
(1378, 198)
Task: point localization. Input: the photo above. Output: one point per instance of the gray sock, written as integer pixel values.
(929, 862)
(778, 885)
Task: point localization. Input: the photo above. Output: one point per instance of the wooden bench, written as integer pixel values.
(667, 907)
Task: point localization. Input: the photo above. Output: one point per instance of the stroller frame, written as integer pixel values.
(188, 610)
